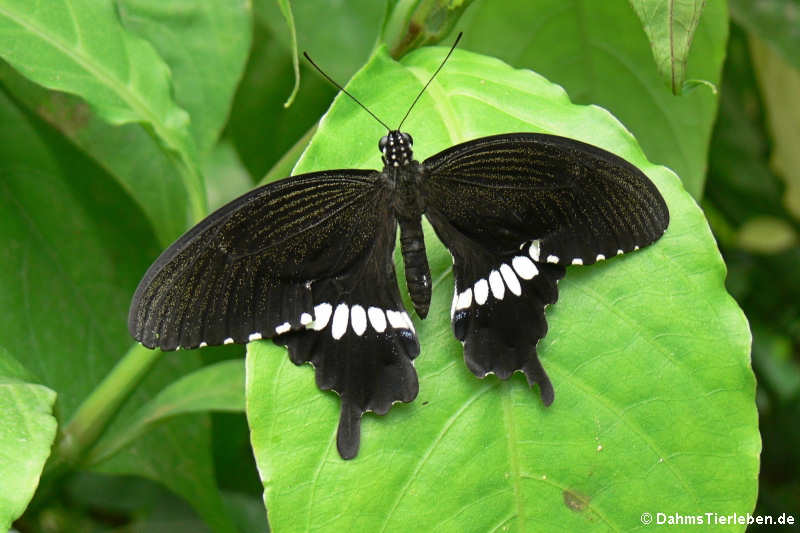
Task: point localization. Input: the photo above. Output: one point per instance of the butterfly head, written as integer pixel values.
(395, 148)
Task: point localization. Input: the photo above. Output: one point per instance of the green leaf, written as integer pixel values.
(218, 387)
(670, 26)
(150, 173)
(598, 53)
(259, 102)
(339, 37)
(775, 21)
(143, 168)
(648, 354)
(27, 430)
(72, 249)
(780, 86)
(766, 235)
(205, 43)
(81, 48)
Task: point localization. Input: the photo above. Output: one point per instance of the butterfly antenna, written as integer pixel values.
(345, 91)
(430, 80)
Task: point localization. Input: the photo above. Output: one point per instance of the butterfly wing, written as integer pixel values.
(514, 210)
(306, 261)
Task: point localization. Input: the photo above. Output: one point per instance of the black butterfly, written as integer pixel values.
(307, 261)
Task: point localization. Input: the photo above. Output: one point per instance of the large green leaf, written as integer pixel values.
(27, 430)
(146, 168)
(81, 48)
(205, 43)
(72, 249)
(598, 52)
(649, 356)
(143, 168)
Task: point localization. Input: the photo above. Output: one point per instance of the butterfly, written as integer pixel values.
(307, 260)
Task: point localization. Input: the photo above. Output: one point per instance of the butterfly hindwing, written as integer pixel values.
(514, 210)
(362, 344)
(306, 261)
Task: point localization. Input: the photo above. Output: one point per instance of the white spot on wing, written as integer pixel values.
(481, 291)
(358, 319)
(229, 340)
(552, 259)
(283, 328)
(322, 314)
(496, 284)
(620, 252)
(254, 336)
(635, 247)
(524, 267)
(396, 319)
(511, 279)
(577, 261)
(464, 299)
(202, 344)
(453, 305)
(339, 325)
(600, 257)
(377, 319)
(306, 319)
(535, 250)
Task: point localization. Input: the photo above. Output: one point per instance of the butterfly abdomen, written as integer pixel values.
(418, 273)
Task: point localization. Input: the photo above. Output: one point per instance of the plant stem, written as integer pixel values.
(97, 409)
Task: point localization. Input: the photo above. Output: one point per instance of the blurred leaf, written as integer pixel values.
(144, 168)
(218, 387)
(648, 353)
(80, 48)
(249, 512)
(226, 177)
(338, 37)
(66, 277)
(780, 89)
(775, 21)
(259, 127)
(205, 43)
(766, 235)
(740, 183)
(773, 358)
(598, 53)
(670, 27)
(741, 187)
(27, 430)
(150, 174)
(126, 504)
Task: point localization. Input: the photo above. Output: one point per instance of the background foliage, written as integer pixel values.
(122, 122)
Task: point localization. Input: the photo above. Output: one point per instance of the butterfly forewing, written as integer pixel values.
(514, 210)
(232, 274)
(578, 200)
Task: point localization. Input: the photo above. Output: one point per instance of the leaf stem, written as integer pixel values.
(97, 409)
